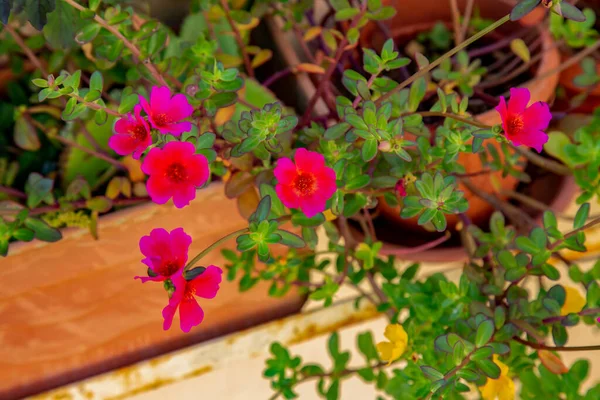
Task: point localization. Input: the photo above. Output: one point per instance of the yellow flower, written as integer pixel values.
(574, 301)
(329, 216)
(398, 339)
(502, 388)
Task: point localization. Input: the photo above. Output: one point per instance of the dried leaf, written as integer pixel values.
(134, 167)
(250, 25)
(519, 47)
(224, 114)
(114, 188)
(310, 68)
(25, 135)
(312, 33)
(239, 184)
(248, 202)
(262, 57)
(229, 61)
(552, 362)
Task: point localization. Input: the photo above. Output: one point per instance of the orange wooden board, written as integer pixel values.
(72, 309)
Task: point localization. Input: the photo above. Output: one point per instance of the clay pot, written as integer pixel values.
(424, 14)
(71, 309)
(592, 101)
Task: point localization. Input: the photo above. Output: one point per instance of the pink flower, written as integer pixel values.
(524, 125)
(175, 171)
(166, 253)
(132, 135)
(206, 285)
(400, 188)
(307, 184)
(166, 112)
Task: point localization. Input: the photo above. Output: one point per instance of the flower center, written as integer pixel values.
(161, 119)
(139, 132)
(176, 173)
(305, 184)
(169, 268)
(515, 124)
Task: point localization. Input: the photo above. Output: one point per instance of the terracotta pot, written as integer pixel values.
(424, 14)
(566, 81)
(71, 309)
(558, 200)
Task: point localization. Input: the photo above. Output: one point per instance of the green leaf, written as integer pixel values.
(559, 335)
(347, 13)
(366, 345)
(507, 259)
(527, 245)
(581, 216)
(62, 25)
(569, 11)
(128, 103)
(42, 230)
(96, 82)
(262, 210)
(24, 234)
(37, 189)
(303, 220)
(369, 149)
(88, 33)
(431, 373)
(25, 135)
(291, 240)
(336, 131)
(482, 353)
(485, 330)
(489, 368)
(37, 10)
(523, 8)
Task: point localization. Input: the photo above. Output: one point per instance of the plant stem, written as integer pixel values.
(589, 311)
(134, 50)
(95, 106)
(213, 246)
(12, 192)
(72, 143)
(451, 116)
(238, 38)
(543, 162)
(277, 75)
(32, 57)
(83, 204)
(329, 72)
(437, 62)
(530, 201)
(540, 346)
(454, 370)
(369, 84)
(456, 22)
(418, 249)
(583, 228)
(466, 19)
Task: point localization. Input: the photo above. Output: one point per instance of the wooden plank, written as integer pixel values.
(72, 309)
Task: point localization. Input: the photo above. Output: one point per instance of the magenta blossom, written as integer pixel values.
(175, 171)
(206, 285)
(132, 135)
(307, 184)
(166, 253)
(524, 125)
(166, 113)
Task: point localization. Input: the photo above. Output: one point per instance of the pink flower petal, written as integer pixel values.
(537, 116)
(519, 99)
(287, 196)
(313, 206)
(534, 139)
(122, 144)
(145, 105)
(183, 194)
(159, 189)
(180, 244)
(198, 170)
(285, 171)
(176, 129)
(159, 99)
(153, 161)
(190, 314)
(180, 108)
(207, 284)
(309, 161)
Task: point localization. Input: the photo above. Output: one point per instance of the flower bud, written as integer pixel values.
(169, 287)
(193, 273)
(400, 188)
(385, 146)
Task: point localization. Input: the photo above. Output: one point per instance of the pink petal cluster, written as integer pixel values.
(524, 125)
(132, 135)
(166, 113)
(305, 183)
(191, 314)
(166, 255)
(175, 172)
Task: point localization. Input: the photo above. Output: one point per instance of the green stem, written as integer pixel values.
(213, 246)
(451, 116)
(543, 162)
(437, 62)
